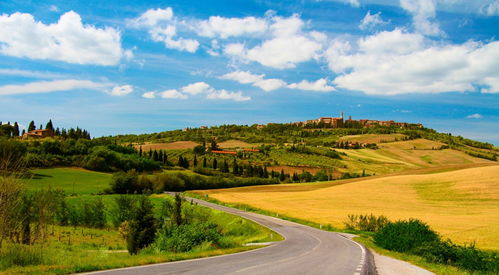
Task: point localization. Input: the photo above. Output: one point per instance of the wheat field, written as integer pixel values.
(462, 205)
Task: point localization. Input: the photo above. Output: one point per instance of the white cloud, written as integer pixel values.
(321, 85)
(371, 21)
(30, 74)
(491, 9)
(354, 3)
(245, 77)
(172, 93)
(288, 45)
(51, 86)
(149, 95)
(226, 95)
(223, 27)
(422, 11)
(270, 84)
(121, 90)
(162, 28)
(475, 116)
(235, 49)
(152, 17)
(397, 62)
(196, 88)
(67, 40)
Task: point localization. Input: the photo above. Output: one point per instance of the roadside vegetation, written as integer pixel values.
(42, 230)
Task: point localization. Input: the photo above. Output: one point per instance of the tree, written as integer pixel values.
(140, 151)
(195, 161)
(199, 150)
(214, 163)
(16, 129)
(49, 125)
(282, 176)
(204, 162)
(235, 167)
(214, 145)
(225, 167)
(31, 126)
(142, 226)
(177, 210)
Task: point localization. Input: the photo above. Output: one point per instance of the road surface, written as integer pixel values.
(305, 250)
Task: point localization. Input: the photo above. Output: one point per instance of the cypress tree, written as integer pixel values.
(204, 162)
(215, 163)
(235, 168)
(150, 153)
(155, 155)
(225, 167)
(140, 150)
(195, 161)
(31, 126)
(16, 129)
(49, 125)
(265, 172)
(24, 131)
(180, 162)
(282, 176)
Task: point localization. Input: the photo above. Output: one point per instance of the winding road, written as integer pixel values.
(305, 250)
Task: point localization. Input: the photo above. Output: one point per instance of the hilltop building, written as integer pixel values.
(339, 122)
(42, 133)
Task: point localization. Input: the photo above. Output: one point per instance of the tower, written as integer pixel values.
(341, 115)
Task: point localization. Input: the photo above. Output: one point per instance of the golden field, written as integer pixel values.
(462, 205)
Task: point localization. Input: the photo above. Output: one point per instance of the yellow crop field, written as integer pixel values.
(233, 143)
(462, 205)
(372, 138)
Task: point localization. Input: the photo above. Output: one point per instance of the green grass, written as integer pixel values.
(71, 180)
(77, 249)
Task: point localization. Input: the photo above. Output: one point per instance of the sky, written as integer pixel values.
(120, 67)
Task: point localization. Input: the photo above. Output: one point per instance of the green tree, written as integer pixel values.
(31, 126)
(49, 125)
(142, 227)
(16, 129)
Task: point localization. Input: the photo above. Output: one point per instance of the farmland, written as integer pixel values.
(462, 205)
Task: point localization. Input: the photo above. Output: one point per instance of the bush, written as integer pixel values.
(185, 237)
(405, 236)
(368, 223)
(130, 183)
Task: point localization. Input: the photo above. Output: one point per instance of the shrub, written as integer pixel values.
(185, 237)
(368, 223)
(21, 255)
(404, 236)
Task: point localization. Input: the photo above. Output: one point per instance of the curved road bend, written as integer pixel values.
(305, 250)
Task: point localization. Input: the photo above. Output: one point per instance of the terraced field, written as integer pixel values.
(462, 205)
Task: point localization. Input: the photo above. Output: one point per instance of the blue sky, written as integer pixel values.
(116, 67)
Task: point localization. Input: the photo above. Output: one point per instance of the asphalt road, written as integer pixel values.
(305, 250)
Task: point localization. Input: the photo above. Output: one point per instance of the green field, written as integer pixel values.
(71, 180)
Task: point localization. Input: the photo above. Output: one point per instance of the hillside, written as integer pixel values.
(462, 205)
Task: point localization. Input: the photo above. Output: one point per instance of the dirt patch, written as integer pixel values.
(167, 146)
(234, 143)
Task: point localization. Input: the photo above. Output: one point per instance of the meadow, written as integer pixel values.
(461, 205)
(71, 180)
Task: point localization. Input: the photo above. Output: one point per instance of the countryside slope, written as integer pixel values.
(462, 205)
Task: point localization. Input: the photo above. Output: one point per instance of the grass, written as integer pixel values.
(79, 249)
(461, 205)
(71, 180)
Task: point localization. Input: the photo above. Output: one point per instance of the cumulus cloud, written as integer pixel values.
(223, 27)
(152, 18)
(475, 116)
(245, 77)
(121, 90)
(491, 9)
(398, 62)
(173, 94)
(226, 95)
(288, 45)
(423, 12)
(51, 86)
(67, 40)
(321, 85)
(371, 21)
(161, 26)
(149, 95)
(196, 88)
